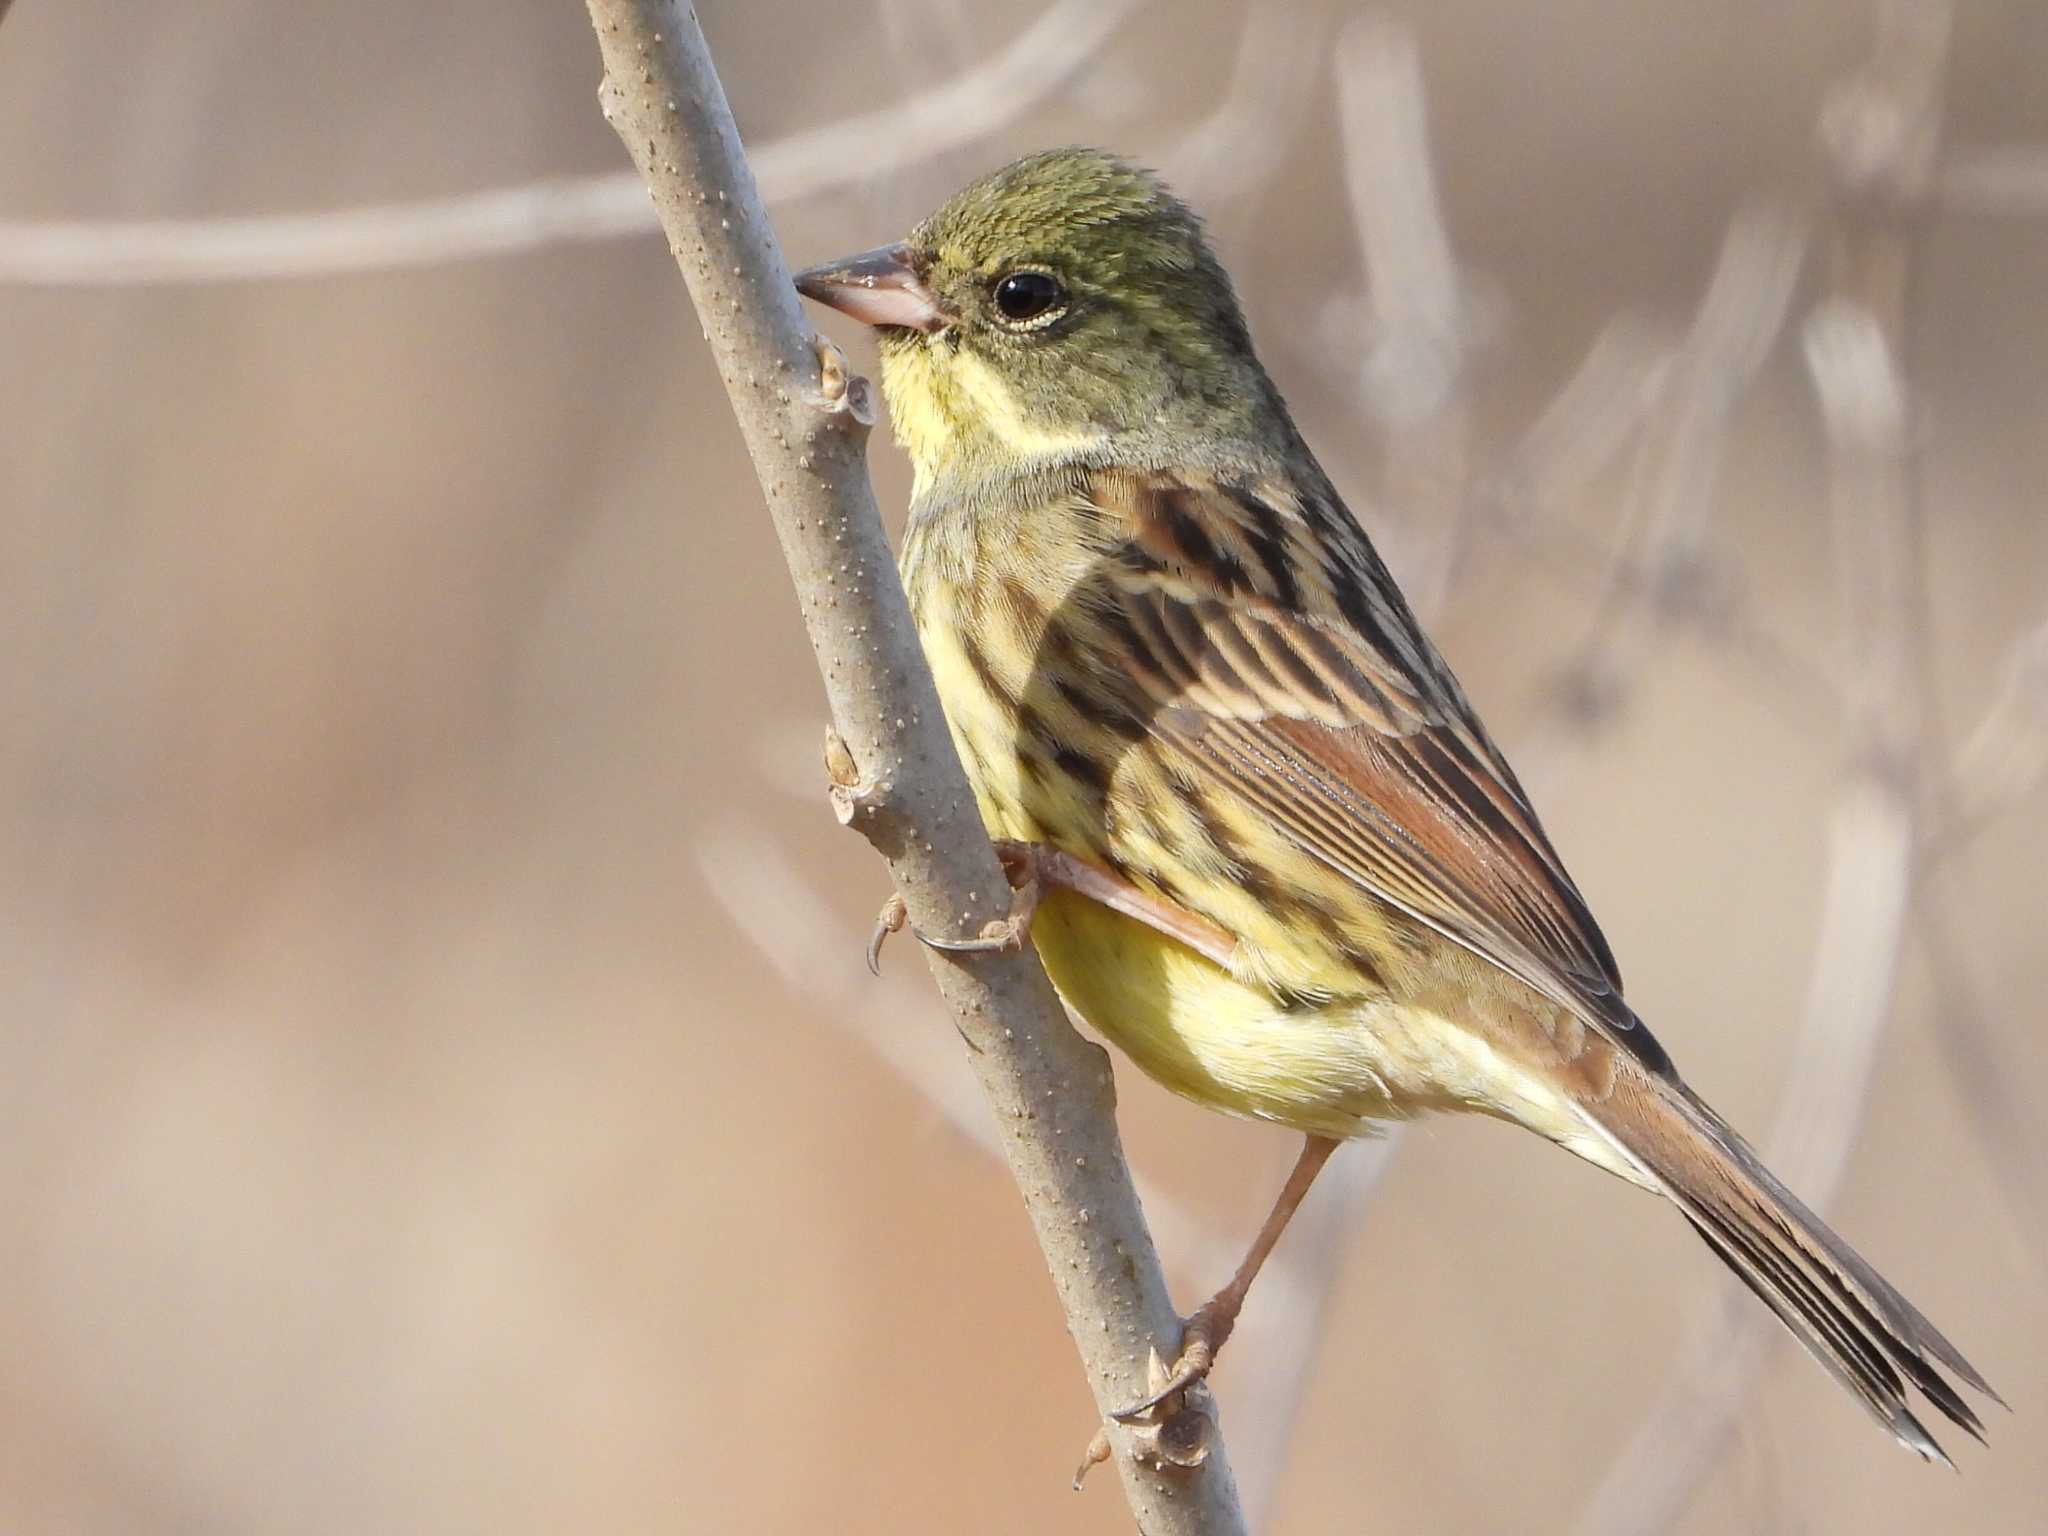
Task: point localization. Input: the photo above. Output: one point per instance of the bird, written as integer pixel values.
(1261, 840)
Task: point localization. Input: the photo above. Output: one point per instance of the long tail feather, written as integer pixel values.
(1849, 1318)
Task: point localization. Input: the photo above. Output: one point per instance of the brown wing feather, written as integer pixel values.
(1281, 661)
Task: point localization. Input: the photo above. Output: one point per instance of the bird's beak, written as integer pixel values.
(879, 287)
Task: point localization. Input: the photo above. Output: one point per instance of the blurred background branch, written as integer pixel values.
(1879, 131)
(1232, 151)
(965, 107)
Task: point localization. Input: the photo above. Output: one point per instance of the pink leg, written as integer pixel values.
(1209, 1329)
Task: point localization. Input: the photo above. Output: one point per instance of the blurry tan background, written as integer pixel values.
(439, 1089)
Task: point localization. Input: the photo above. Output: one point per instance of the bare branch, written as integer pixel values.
(2004, 761)
(1281, 1329)
(389, 236)
(805, 424)
(382, 237)
(1880, 129)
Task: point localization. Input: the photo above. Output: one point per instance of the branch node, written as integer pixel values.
(1179, 1434)
(850, 793)
(840, 767)
(1185, 1437)
(1096, 1454)
(841, 391)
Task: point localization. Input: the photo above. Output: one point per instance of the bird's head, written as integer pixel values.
(1065, 309)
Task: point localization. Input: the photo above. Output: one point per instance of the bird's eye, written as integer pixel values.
(1022, 296)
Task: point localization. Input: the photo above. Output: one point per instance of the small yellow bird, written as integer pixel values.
(1285, 868)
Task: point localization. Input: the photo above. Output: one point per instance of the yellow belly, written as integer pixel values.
(1331, 1069)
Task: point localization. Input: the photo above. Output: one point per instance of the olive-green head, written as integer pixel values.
(1065, 307)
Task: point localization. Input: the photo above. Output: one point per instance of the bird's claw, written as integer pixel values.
(1201, 1337)
(1020, 866)
(890, 919)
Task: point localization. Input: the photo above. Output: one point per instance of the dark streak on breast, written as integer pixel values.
(1082, 769)
(1023, 604)
(985, 675)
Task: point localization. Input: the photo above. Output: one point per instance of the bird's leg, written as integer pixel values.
(1203, 1336)
(1034, 868)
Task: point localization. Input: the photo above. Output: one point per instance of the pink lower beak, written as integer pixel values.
(879, 287)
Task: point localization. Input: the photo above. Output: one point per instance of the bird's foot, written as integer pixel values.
(1202, 1338)
(1177, 1434)
(1024, 865)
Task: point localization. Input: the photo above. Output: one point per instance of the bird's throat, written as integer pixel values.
(959, 420)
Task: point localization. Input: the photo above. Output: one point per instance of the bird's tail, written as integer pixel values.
(1870, 1338)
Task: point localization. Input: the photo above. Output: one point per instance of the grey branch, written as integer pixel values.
(805, 420)
(787, 923)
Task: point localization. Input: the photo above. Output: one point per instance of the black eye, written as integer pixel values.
(1027, 295)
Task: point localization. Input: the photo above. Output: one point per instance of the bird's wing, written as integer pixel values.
(1276, 658)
